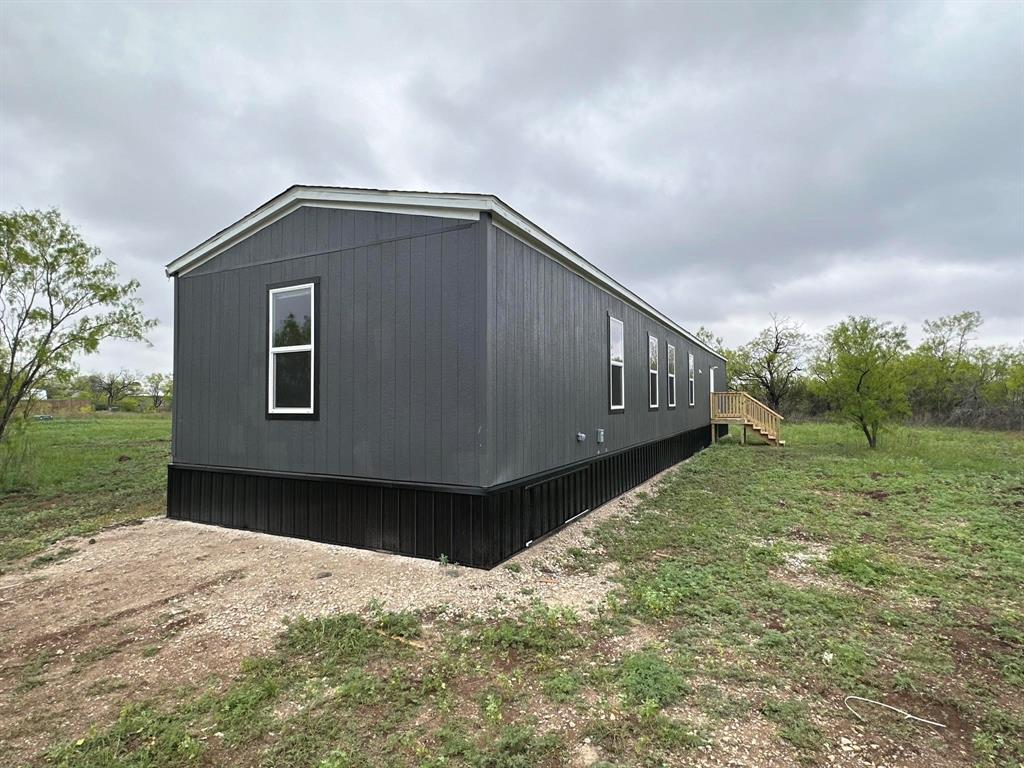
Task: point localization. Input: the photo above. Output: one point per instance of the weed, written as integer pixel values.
(517, 746)
(562, 687)
(31, 675)
(140, 737)
(332, 640)
(646, 678)
(861, 564)
(403, 624)
(794, 725)
(541, 630)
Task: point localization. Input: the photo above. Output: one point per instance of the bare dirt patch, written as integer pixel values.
(147, 608)
(800, 567)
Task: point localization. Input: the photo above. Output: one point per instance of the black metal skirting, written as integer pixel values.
(479, 529)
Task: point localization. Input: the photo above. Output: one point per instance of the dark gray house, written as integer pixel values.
(423, 373)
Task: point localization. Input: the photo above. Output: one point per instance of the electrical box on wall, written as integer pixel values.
(600, 436)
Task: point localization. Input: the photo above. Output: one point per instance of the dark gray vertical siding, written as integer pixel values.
(549, 368)
(450, 352)
(400, 334)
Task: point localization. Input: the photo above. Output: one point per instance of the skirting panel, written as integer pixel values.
(479, 529)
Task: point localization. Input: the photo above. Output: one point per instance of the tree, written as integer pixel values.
(948, 337)
(115, 385)
(57, 299)
(706, 336)
(858, 369)
(768, 367)
(159, 386)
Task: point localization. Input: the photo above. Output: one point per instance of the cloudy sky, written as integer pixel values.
(723, 160)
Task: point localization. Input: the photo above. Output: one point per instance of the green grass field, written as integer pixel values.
(763, 585)
(81, 474)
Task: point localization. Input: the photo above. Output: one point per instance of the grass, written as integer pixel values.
(760, 585)
(82, 474)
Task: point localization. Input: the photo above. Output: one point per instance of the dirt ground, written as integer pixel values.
(140, 609)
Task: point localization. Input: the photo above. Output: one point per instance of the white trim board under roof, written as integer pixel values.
(451, 205)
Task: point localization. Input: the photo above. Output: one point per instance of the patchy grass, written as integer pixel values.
(646, 678)
(759, 587)
(916, 599)
(87, 472)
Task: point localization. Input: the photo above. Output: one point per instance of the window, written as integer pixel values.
(671, 376)
(689, 363)
(652, 370)
(616, 365)
(290, 370)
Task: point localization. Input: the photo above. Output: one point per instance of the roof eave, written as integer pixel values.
(448, 205)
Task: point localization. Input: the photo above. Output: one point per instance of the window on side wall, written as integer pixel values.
(652, 371)
(671, 376)
(616, 365)
(291, 368)
(689, 365)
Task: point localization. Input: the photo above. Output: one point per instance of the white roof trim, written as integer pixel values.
(440, 204)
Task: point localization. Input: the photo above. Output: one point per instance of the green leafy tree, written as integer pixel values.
(114, 386)
(706, 336)
(58, 299)
(941, 372)
(159, 388)
(858, 368)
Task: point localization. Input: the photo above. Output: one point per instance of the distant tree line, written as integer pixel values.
(121, 389)
(864, 371)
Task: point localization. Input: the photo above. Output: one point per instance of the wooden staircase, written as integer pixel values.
(741, 408)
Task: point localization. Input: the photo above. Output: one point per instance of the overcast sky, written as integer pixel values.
(722, 160)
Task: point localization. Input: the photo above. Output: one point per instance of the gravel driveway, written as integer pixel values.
(141, 608)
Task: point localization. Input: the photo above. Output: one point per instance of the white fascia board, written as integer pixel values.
(448, 206)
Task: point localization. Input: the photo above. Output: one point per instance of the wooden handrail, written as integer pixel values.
(741, 406)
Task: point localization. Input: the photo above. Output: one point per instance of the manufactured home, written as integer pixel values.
(422, 373)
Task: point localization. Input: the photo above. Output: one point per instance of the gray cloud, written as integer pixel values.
(724, 160)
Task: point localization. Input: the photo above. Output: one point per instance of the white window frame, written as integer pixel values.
(613, 364)
(272, 350)
(691, 383)
(671, 355)
(653, 366)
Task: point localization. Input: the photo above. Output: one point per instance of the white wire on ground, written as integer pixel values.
(906, 715)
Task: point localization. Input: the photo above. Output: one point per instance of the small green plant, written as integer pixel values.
(541, 629)
(647, 680)
(443, 560)
(794, 724)
(403, 624)
(861, 564)
(562, 687)
(518, 746)
(31, 675)
(52, 557)
(332, 640)
(492, 707)
(339, 758)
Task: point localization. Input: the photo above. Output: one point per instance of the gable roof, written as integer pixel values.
(452, 205)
